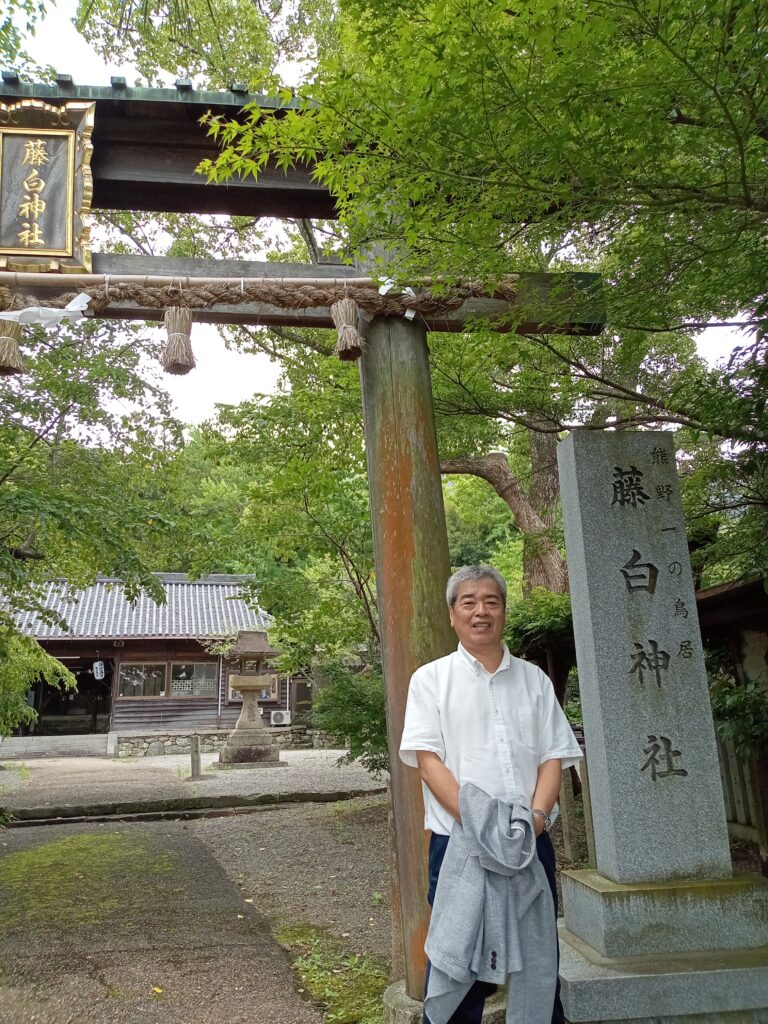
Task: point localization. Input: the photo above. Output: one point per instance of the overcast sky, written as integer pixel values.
(220, 375)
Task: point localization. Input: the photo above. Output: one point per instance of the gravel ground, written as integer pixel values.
(319, 864)
(92, 781)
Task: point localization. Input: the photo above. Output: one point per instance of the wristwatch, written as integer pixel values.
(544, 817)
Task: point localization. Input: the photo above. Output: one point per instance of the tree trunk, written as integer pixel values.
(543, 495)
(550, 568)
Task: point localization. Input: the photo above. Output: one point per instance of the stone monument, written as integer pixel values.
(661, 931)
(249, 745)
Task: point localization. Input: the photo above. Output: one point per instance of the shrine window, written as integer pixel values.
(193, 679)
(163, 679)
(142, 680)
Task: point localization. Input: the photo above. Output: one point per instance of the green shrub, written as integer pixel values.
(539, 615)
(351, 705)
(741, 716)
(22, 662)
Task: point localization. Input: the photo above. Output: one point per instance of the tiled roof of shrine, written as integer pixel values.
(212, 606)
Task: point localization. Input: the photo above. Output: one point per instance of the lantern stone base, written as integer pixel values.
(225, 766)
(249, 747)
(713, 987)
(658, 918)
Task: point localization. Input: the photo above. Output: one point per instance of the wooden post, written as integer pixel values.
(589, 827)
(412, 566)
(397, 969)
(567, 815)
(195, 752)
(757, 770)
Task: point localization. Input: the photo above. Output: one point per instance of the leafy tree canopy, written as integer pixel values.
(83, 441)
(631, 132)
(81, 435)
(623, 137)
(215, 43)
(17, 23)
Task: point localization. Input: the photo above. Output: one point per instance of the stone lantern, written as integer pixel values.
(249, 745)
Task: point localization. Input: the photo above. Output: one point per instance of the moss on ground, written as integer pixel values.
(76, 881)
(349, 817)
(350, 986)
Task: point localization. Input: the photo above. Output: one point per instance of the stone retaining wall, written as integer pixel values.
(293, 737)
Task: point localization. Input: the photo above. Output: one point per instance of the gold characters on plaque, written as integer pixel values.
(33, 205)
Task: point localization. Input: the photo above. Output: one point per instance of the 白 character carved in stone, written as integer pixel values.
(639, 575)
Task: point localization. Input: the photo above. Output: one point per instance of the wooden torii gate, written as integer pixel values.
(146, 146)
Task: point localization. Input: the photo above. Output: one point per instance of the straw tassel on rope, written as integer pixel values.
(350, 344)
(178, 357)
(10, 355)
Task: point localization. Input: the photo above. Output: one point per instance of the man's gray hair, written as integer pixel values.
(471, 573)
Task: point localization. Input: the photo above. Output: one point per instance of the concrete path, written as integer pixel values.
(86, 786)
(129, 923)
(86, 745)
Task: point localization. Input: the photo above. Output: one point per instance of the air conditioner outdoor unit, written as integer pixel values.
(280, 718)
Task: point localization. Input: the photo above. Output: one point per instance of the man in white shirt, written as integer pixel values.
(479, 715)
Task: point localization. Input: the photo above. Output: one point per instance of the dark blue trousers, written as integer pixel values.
(470, 1010)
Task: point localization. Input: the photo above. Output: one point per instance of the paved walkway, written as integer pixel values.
(88, 786)
(124, 923)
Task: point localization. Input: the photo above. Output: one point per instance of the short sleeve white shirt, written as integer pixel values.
(491, 728)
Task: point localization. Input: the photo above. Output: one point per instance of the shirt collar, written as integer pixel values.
(478, 667)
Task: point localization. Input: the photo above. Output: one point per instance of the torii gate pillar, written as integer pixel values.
(412, 567)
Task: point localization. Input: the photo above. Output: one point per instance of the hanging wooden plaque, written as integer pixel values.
(45, 186)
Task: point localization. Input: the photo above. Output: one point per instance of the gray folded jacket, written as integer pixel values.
(492, 918)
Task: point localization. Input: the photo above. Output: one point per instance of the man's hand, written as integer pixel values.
(540, 820)
(548, 781)
(440, 781)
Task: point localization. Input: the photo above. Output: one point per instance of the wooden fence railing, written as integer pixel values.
(739, 791)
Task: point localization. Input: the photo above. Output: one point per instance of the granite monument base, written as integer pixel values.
(399, 1008)
(649, 918)
(713, 987)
